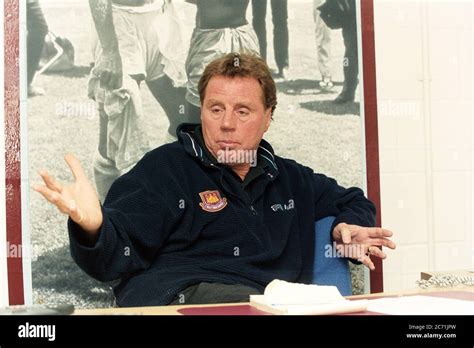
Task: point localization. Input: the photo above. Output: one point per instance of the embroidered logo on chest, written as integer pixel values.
(283, 207)
(212, 201)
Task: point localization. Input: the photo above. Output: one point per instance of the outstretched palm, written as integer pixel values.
(79, 200)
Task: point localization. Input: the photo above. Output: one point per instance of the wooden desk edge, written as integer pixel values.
(173, 310)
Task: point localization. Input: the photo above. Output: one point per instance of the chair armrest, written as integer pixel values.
(329, 269)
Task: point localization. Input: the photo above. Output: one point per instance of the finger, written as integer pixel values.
(75, 167)
(75, 213)
(346, 234)
(375, 251)
(50, 182)
(364, 259)
(375, 232)
(53, 197)
(383, 242)
(65, 207)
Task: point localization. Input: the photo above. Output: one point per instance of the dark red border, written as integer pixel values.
(12, 149)
(371, 126)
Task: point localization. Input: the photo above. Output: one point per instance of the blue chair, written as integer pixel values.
(329, 270)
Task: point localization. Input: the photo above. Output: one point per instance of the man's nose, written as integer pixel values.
(229, 121)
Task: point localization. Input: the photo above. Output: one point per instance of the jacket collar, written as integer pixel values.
(189, 140)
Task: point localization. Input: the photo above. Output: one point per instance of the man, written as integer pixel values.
(221, 27)
(130, 49)
(280, 31)
(37, 31)
(191, 223)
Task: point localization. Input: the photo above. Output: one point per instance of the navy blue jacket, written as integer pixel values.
(179, 218)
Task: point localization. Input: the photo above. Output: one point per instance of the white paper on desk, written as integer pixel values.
(338, 307)
(421, 305)
(282, 297)
(282, 292)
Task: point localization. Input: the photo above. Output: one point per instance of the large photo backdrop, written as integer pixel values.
(318, 120)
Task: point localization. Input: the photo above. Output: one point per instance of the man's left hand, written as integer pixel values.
(360, 243)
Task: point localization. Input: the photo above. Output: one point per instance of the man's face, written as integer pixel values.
(233, 114)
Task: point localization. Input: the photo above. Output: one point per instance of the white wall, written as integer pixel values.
(424, 88)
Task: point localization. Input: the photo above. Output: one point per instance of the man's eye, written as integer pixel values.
(216, 110)
(243, 112)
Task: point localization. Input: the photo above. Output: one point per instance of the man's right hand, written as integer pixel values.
(108, 69)
(79, 200)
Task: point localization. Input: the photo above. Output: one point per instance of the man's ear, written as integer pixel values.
(268, 118)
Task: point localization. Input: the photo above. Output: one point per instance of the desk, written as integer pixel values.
(242, 308)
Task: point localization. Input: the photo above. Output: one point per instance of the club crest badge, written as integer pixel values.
(212, 201)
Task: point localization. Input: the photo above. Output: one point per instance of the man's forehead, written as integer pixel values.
(247, 87)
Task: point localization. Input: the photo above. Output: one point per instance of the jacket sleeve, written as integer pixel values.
(137, 221)
(347, 205)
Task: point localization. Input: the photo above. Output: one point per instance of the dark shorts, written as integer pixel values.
(204, 293)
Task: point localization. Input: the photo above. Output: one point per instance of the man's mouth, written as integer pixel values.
(226, 144)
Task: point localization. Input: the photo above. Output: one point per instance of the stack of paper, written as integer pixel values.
(281, 297)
